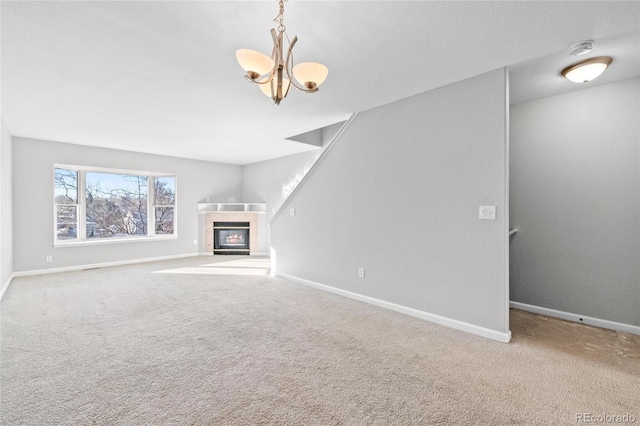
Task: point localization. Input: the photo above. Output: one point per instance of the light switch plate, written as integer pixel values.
(292, 211)
(488, 212)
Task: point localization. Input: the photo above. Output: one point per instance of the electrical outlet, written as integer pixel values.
(195, 242)
(49, 259)
(232, 200)
(292, 211)
(360, 272)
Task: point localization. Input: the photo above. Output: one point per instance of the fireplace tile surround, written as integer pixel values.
(252, 212)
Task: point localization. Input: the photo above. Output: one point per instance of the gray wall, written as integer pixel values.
(575, 197)
(399, 194)
(6, 219)
(33, 201)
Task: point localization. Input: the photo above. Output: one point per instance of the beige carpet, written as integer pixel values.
(195, 342)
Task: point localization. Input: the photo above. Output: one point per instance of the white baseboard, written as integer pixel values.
(100, 265)
(448, 322)
(6, 286)
(202, 253)
(582, 319)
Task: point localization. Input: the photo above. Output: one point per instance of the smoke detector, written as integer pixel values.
(581, 48)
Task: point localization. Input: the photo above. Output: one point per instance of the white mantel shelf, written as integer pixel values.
(260, 208)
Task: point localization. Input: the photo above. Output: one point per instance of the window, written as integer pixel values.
(66, 204)
(112, 205)
(165, 200)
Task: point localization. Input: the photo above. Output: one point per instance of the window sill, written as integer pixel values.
(97, 242)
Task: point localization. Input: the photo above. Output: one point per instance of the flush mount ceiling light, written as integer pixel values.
(586, 70)
(274, 74)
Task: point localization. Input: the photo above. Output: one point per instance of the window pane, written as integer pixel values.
(164, 220)
(67, 223)
(116, 205)
(65, 186)
(165, 188)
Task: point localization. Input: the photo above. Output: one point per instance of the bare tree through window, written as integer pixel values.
(165, 199)
(116, 205)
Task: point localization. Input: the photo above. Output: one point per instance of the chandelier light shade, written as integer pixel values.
(276, 74)
(253, 62)
(586, 70)
(310, 74)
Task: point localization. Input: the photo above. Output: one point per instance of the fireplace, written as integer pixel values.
(231, 237)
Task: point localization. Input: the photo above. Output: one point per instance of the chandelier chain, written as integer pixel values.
(280, 17)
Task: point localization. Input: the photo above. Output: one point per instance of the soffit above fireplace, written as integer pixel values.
(260, 208)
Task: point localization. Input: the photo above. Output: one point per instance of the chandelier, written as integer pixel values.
(274, 74)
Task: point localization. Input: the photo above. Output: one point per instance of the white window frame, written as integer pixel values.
(81, 232)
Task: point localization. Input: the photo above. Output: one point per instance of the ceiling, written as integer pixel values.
(161, 77)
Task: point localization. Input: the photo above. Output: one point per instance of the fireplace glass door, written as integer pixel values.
(230, 237)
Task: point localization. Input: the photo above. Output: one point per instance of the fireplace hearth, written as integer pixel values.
(231, 238)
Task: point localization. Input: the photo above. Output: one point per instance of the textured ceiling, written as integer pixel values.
(161, 77)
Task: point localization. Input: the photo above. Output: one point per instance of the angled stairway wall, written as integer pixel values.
(398, 195)
(273, 181)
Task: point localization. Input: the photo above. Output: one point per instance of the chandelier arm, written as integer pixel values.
(273, 87)
(276, 54)
(289, 69)
(292, 43)
(268, 80)
(289, 61)
(304, 89)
